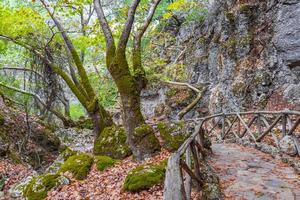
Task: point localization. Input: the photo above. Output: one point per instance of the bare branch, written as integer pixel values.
(139, 34)
(22, 69)
(104, 24)
(82, 73)
(194, 102)
(39, 99)
(128, 25)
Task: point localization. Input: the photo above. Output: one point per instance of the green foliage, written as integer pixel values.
(79, 165)
(196, 11)
(76, 111)
(112, 142)
(144, 177)
(38, 187)
(103, 162)
(22, 21)
(104, 85)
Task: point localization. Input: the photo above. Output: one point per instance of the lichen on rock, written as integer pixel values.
(112, 143)
(144, 177)
(79, 165)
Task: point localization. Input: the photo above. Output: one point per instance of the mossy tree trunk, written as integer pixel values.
(143, 144)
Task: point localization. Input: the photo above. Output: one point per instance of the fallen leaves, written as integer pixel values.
(107, 185)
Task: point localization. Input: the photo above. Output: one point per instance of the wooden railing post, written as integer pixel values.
(259, 124)
(223, 126)
(188, 180)
(284, 120)
(196, 164)
(174, 187)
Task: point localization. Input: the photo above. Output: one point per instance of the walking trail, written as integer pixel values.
(246, 173)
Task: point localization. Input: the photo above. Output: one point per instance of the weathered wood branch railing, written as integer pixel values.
(183, 165)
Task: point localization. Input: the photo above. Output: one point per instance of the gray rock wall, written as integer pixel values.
(248, 53)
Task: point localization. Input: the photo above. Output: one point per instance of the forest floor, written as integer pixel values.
(245, 173)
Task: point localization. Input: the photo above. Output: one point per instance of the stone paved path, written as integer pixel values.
(247, 173)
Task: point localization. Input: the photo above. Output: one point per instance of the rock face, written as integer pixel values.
(248, 52)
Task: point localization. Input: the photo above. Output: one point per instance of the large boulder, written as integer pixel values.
(112, 143)
(144, 177)
(78, 165)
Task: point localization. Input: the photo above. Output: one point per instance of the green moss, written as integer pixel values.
(171, 143)
(103, 162)
(230, 45)
(144, 138)
(144, 177)
(84, 123)
(38, 187)
(245, 9)
(112, 142)
(230, 16)
(68, 153)
(79, 165)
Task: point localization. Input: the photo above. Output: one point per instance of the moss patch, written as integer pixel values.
(230, 16)
(103, 162)
(85, 123)
(79, 165)
(112, 143)
(68, 153)
(144, 177)
(171, 142)
(145, 139)
(38, 187)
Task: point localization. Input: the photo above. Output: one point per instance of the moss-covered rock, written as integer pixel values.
(171, 142)
(68, 153)
(145, 140)
(103, 162)
(38, 187)
(144, 177)
(112, 143)
(79, 165)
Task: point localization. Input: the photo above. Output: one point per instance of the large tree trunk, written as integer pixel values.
(100, 118)
(140, 137)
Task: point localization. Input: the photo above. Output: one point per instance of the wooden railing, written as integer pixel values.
(258, 126)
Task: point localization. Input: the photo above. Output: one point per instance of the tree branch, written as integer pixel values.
(82, 73)
(39, 99)
(22, 69)
(64, 75)
(104, 24)
(128, 25)
(194, 102)
(139, 71)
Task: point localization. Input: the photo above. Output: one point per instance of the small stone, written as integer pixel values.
(287, 145)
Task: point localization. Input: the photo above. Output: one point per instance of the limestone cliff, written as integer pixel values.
(247, 52)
